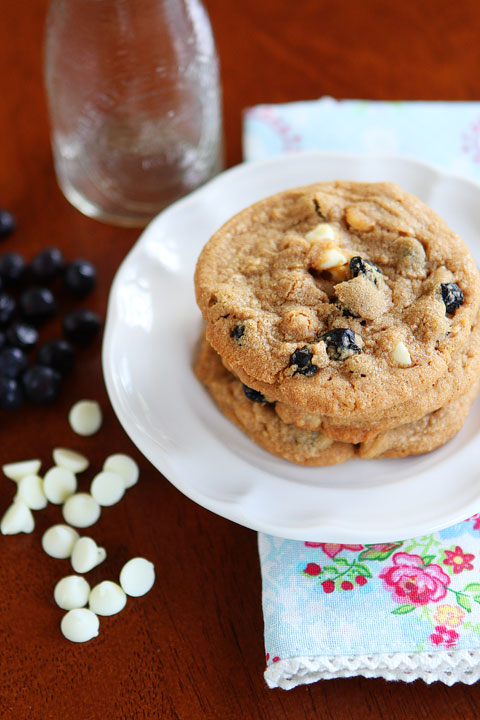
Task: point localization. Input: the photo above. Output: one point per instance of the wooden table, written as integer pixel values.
(193, 647)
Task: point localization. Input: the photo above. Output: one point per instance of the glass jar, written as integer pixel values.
(134, 98)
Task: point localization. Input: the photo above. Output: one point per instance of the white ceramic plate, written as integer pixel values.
(151, 332)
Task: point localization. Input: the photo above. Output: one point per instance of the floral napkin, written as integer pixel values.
(403, 610)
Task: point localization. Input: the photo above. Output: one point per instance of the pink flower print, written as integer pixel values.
(413, 582)
(312, 569)
(458, 560)
(332, 549)
(444, 636)
(476, 524)
(449, 615)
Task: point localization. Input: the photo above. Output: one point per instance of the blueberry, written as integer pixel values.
(238, 332)
(13, 267)
(80, 277)
(8, 306)
(452, 296)
(340, 343)
(81, 326)
(37, 305)
(57, 354)
(302, 358)
(359, 266)
(47, 264)
(317, 209)
(42, 384)
(7, 223)
(11, 394)
(347, 313)
(3, 339)
(253, 395)
(13, 361)
(22, 335)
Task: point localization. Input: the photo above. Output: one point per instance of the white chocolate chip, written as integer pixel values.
(329, 258)
(71, 460)
(58, 484)
(58, 541)
(30, 490)
(401, 354)
(125, 466)
(80, 625)
(86, 555)
(81, 510)
(71, 592)
(17, 470)
(107, 598)
(323, 231)
(137, 576)
(85, 417)
(107, 488)
(17, 518)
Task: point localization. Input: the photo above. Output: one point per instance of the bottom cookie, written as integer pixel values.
(312, 447)
(261, 423)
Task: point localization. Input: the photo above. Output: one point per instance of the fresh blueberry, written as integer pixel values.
(80, 277)
(302, 358)
(81, 326)
(7, 223)
(37, 305)
(238, 332)
(359, 266)
(13, 267)
(11, 393)
(57, 354)
(452, 296)
(340, 343)
(3, 339)
(22, 335)
(8, 306)
(253, 395)
(47, 264)
(42, 384)
(13, 361)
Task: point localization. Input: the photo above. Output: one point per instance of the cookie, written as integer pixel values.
(463, 372)
(257, 417)
(259, 420)
(339, 298)
(424, 435)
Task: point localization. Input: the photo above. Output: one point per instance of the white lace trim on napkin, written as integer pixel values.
(447, 666)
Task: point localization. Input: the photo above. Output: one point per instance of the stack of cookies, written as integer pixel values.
(342, 320)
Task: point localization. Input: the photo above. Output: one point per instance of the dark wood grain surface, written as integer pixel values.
(193, 647)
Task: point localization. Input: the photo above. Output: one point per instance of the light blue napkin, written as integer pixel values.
(403, 610)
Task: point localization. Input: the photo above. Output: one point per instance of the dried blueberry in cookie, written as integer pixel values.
(302, 358)
(346, 312)
(253, 395)
(359, 266)
(237, 332)
(340, 343)
(452, 296)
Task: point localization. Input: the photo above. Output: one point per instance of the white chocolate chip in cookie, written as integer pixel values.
(322, 231)
(328, 258)
(401, 354)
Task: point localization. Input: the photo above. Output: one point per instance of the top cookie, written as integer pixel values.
(338, 297)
